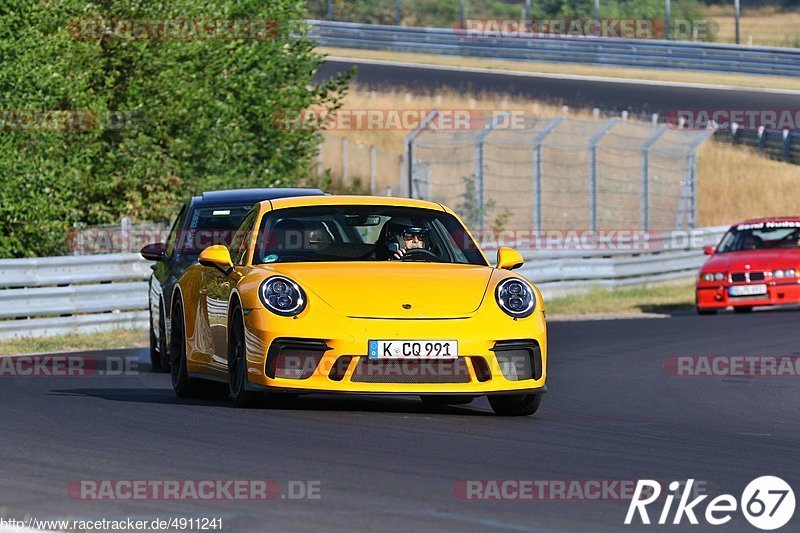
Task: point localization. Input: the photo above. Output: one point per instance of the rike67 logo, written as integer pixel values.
(767, 503)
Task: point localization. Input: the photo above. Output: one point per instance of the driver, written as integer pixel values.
(410, 239)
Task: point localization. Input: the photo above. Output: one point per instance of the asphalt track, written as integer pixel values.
(391, 464)
(607, 95)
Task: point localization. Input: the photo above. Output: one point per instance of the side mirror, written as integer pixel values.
(217, 256)
(154, 252)
(509, 258)
(709, 250)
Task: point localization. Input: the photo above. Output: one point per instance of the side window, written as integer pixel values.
(173, 234)
(241, 239)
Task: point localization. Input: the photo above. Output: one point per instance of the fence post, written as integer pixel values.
(538, 140)
(373, 159)
(646, 174)
(125, 230)
(408, 152)
(593, 169)
(345, 161)
(480, 138)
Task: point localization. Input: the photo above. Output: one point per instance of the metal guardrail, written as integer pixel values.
(588, 50)
(84, 294)
(58, 295)
(672, 256)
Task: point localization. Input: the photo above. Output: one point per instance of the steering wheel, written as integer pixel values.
(417, 254)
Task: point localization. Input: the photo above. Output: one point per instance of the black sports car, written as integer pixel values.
(202, 221)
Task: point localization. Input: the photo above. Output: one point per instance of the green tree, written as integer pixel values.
(165, 117)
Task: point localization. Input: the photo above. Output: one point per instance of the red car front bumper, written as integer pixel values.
(716, 296)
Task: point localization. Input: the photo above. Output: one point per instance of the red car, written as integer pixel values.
(756, 263)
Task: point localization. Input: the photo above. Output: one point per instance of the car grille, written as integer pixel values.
(747, 277)
(423, 371)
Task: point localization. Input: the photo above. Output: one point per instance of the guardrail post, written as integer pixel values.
(762, 138)
(593, 169)
(408, 155)
(645, 174)
(538, 140)
(787, 145)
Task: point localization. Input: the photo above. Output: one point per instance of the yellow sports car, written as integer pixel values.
(348, 294)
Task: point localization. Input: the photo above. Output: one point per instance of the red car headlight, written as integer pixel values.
(713, 276)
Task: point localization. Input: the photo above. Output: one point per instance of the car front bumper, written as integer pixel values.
(717, 297)
(484, 341)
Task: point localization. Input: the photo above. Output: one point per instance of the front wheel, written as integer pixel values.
(181, 383)
(237, 362)
(515, 404)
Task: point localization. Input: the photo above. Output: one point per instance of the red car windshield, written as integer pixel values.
(761, 236)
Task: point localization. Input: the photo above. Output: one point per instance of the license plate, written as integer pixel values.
(413, 349)
(747, 290)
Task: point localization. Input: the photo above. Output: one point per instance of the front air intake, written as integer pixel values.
(519, 360)
(294, 358)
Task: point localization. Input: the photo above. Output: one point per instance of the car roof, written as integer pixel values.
(769, 219)
(354, 200)
(233, 196)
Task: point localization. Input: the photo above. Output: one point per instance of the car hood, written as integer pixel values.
(753, 260)
(382, 289)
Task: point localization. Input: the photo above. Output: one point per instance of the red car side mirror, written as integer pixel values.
(709, 250)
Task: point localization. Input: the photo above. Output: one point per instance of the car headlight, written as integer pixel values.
(713, 276)
(787, 273)
(515, 297)
(282, 296)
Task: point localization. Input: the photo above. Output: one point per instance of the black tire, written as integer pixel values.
(237, 362)
(163, 348)
(515, 404)
(743, 309)
(444, 399)
(706, 311)
(181, 383)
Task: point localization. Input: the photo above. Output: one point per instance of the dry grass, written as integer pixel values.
(767, 26)
(734, 182)
(121, 338)
(655, 298)
(683, 76)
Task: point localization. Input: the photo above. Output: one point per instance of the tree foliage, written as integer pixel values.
(161, 118)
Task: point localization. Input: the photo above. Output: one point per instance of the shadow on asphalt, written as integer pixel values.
(311, 402)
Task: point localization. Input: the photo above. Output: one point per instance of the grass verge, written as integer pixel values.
(679, 76)
(107, 340)
(661, 298)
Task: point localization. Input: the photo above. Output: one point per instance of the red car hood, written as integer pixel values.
(753, 260)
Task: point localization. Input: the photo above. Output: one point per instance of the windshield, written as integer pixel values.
(364, 233)
(211, 225)
(761, 236)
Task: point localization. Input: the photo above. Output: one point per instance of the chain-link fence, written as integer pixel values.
(561, 172)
